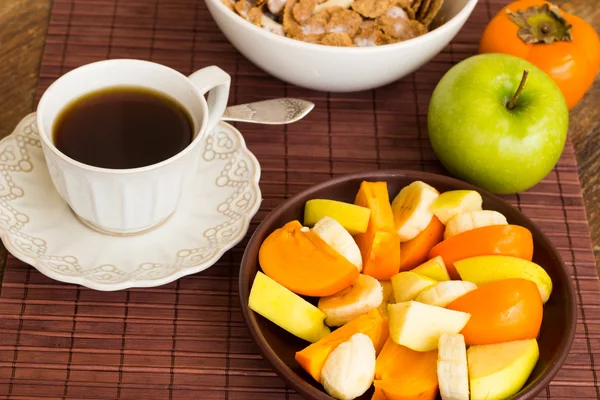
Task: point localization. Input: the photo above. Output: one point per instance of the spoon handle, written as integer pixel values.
(269, 112)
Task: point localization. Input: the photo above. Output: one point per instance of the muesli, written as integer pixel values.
(348, 23)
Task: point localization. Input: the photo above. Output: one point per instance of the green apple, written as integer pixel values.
(355, 219)
(407, 285)
(486, 269)
(419, 326)
(434, 269)
(388, 297)
(286, 309)
(488, 132)
(497, 371)
(444, 293)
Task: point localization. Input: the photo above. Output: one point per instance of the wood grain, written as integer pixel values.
(585, 131)
(22, 34)
(174, 341)
(23, 25)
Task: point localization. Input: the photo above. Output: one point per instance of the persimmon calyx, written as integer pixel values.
(541, 24)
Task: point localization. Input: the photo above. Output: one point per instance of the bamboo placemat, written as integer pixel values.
(187, 339)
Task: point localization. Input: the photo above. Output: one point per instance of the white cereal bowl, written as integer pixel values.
(338, 69)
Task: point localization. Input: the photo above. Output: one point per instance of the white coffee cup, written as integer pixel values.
(125, 201)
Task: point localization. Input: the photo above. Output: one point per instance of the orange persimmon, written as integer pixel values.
(506, 240)
(564, 46)
(414, 252)
(372, 324)
(405, 374)
(502, 311)
(378, 395)
(380, 244)
(302, 262)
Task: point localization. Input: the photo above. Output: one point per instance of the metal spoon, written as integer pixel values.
(269, 112)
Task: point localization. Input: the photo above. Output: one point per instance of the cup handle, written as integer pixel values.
(216, 82)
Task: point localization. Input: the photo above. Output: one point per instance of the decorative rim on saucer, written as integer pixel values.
(42, 231)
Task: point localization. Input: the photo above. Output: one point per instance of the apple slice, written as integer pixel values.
(498, 371)
(444, 293)
(388, 297)
(454, 202)
(407, 285)
(286, 309)
(353, 218)
(487, 269)
(419, 326)
(434, 269)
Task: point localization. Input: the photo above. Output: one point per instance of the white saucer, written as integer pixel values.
(39, 228)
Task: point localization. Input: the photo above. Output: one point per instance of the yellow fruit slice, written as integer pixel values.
(412, 209)
(451, 203)
(286, 309)
(434, 269)
(443, 293)
(388, 296)
(470, 220)
(334, 234)
(452, 370)
(353, 218)
(364, 295)
(419, 326)
(349, 370)
(497, 371)
(486, 269)
(407, 285)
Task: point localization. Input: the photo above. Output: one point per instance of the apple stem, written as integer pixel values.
(511, 104)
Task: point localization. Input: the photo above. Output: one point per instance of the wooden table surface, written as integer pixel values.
(23, 25)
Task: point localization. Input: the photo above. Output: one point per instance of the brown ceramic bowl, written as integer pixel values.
(279, 346)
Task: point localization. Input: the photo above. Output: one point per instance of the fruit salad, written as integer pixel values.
(415, 295)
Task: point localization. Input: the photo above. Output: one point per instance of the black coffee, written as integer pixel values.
(122, 127)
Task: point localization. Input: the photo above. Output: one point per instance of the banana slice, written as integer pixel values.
(335, 235)
(471, 220)
(412, 209)
(443, 293)
(454, 202)
(360, 298)
(453, 376)
(349, 370)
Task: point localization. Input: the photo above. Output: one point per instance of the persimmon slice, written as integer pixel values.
(380, 244)
(301, 261)
(405, 374)
(372, 324)
(506, 240)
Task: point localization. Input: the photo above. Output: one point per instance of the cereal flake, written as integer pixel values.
(344, 21)
(336, 39)
(243, 6)
(371, 8)
(255, 15)
(396, 12)
(400, 29)
(316, 24)
(290, 25)
(229, 4)
(303, 9)
(404, 3)
(369, 35)
(331, 4)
